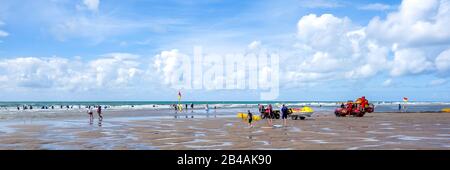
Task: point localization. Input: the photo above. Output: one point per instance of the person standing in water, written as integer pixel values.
(91, 115)
(99, 112)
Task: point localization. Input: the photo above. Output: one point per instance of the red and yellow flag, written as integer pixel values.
(405, 99)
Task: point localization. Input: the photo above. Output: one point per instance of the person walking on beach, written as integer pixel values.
(399, 107)
(99, 112)
(250, 118)
(91, 115)
(269, 111)
(284, 114)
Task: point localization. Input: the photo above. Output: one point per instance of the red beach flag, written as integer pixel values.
(405, 99)
(179, 95)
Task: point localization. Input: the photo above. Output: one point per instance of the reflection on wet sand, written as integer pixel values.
(379, 131)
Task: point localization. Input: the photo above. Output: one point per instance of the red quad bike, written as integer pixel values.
(356, 110)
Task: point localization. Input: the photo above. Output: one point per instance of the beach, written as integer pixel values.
(152, 130)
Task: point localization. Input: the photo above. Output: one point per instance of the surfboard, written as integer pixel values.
(245, 116)
(277, 126)
(302, 110)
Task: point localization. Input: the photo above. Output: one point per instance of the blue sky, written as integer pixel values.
(329, 49)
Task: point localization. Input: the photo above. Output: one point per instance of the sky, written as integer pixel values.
(71, 50)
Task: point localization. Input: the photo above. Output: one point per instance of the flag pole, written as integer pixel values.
(179, 101)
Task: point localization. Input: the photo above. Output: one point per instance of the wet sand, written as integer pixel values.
(374, 131)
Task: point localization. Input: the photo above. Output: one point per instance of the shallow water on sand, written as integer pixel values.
(375, 131)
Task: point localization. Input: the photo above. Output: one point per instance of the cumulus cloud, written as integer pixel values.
(169, 63)
(336, 49)
(409, 61)
(442, 62)
(416, 23)
(115, 70)
(396, 45)
(322, 32)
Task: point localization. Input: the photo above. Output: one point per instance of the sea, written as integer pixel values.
(380, 106)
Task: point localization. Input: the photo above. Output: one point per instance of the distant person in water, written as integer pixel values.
(99, 112)
(250, 118)
(186, 105)
(192, 105)
(399, 107)
(174, 107)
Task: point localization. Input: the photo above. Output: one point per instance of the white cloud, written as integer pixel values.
(168, 63)
(409, 61)
(3, 33)
(322, 32)
(336, 49)
(92, 4)
(254, 45)
(321, 62)
(376, 7)
(373, 61)
(442, 62)
(115, 70)
(405, 34)
(416, 23)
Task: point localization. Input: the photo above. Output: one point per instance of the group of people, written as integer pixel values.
(90, 112)
(180, 106)
(30, 107)
(269, 114)
(362, 103)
